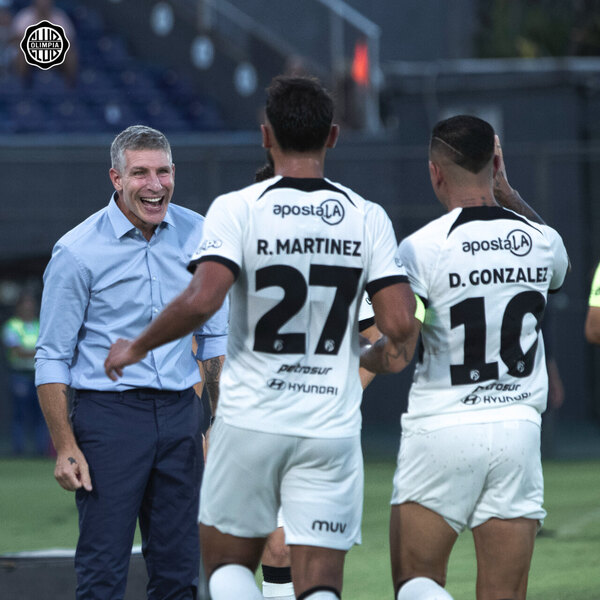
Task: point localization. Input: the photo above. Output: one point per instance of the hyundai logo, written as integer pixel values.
(276, 384)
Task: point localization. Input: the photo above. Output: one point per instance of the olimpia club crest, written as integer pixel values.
(45, 45)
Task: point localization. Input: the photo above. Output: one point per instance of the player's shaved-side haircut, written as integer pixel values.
(300, 112)
(137, 137)
(465, 140)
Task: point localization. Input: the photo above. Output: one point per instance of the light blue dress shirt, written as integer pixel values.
(106, 281)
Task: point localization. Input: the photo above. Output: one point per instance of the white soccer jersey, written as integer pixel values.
(484, 274)
(366, 316)
(303, 251)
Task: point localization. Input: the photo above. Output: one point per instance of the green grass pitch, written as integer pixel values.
(38, 514)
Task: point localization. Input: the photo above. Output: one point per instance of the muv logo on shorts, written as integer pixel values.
(44, 45)
(331, 211)
(329, 526)
(518, 242)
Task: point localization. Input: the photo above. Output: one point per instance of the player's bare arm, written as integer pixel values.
(506, 195)
(370, 335)
(394, 308)
(191, 309)
(71, 470)
(592, 325)
(212, 374)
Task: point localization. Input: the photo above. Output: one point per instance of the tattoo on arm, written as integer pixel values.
(212, 374)
(399, 352)
(72, 460)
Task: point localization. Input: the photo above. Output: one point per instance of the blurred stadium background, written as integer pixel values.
(197, 69)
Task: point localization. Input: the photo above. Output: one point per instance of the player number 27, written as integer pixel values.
(470, 313)
(295, 291)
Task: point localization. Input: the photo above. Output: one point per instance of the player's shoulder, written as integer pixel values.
(434, 233)
(248, 195)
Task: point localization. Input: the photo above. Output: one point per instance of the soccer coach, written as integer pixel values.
(133, 449)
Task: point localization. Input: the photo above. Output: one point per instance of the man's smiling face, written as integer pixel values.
(145, 187)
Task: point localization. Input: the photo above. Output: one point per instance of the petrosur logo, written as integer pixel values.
(44, 45)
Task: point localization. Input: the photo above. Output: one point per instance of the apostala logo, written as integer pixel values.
(518, 242)
(331, 211)
(45, 45)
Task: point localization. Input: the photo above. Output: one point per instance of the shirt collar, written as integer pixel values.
(122, 225)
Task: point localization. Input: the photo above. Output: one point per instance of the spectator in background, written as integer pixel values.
(7, 48)
(133, 448)
(44, 10)
(592, 321)
(19, 336)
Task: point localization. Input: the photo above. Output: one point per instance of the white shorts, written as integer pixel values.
(471, 473)
(318, 482)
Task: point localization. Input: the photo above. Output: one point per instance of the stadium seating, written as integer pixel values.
(114, 89)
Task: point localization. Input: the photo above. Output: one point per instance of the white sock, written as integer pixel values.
(422, 588)
(279, 591)
(232, 582)
(322, 595)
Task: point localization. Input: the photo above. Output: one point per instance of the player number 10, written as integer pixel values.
(470, 313)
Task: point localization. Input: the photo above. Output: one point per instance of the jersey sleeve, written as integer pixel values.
(561, 260)
(222, 236)
(366, 316)
(595, 290)
(415, 268)
(383, 269)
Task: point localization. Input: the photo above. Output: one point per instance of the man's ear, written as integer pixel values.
(435, 174)
(332, 138)
(116, 179)
(497, 162)
(267, 135)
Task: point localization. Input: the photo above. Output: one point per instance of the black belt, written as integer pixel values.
(142, 393)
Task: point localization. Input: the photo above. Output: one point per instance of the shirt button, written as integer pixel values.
(153, 277)
(155, 310)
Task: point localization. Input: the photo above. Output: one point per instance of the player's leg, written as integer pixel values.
(276, 569)
(238, 506)
(317, 572)
(504, 549)
(321, 497)
(420, 545)
(437, 482)
(505, 520)
(229, 563)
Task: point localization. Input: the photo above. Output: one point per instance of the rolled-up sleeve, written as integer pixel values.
(211, 338)
(64, 301)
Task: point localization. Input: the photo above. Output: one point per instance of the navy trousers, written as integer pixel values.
(144, 449)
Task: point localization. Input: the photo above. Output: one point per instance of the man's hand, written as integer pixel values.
(122, 353)
(71, 471)
(501, 184)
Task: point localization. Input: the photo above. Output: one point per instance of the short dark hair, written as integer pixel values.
(466, 140)
(300, 111)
